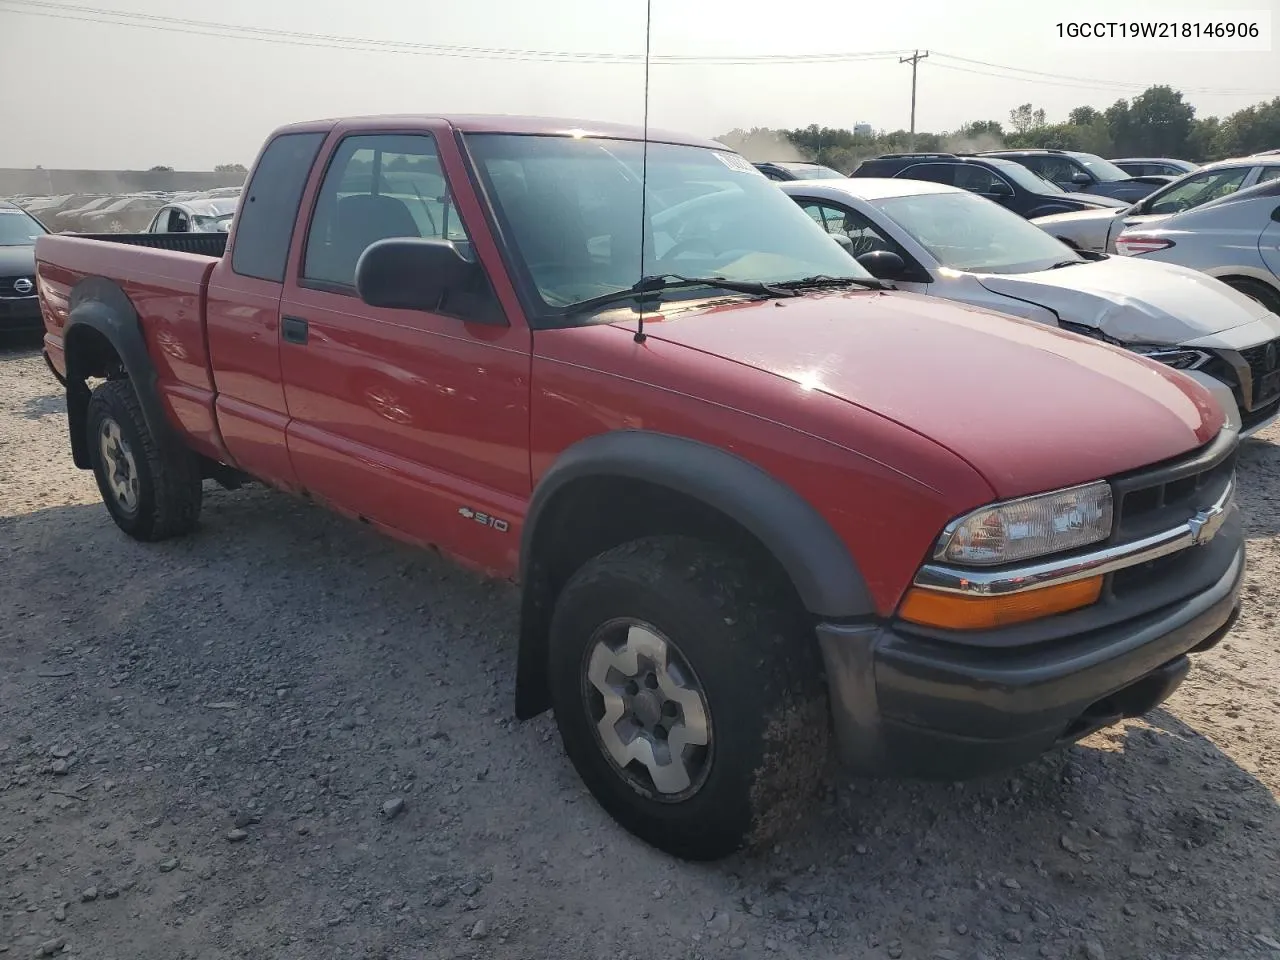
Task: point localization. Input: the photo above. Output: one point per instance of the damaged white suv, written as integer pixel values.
(947, 242)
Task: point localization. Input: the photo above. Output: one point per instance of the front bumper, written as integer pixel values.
(915, 705)
(20, 314)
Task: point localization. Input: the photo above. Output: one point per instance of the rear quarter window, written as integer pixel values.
(269, 206)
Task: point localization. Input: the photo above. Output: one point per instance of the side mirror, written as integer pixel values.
(1000, 189)
(410, 273)
(883, 264)
(1275, 214)
(1081, 177)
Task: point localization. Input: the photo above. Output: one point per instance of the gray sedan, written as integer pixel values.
(1235, 238)
(1096, 230)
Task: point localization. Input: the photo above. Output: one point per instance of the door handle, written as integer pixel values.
(294, 329)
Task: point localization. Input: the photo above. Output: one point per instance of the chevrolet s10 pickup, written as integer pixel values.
(760, 505)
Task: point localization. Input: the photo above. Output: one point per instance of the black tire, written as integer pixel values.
(168, 483)
(1257, 290)
(757, 663)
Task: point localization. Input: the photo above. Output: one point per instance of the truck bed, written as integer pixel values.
(205, 244)
(164, 279)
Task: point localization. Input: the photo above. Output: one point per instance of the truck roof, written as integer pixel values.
(505, 123)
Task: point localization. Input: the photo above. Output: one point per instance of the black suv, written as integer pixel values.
(19, 305)
(797, 170)
(1007, 183)
(1073, 170)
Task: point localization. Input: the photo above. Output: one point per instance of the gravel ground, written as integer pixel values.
(286, 737)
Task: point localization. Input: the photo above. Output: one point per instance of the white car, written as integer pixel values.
(947, 242)
(202, 215)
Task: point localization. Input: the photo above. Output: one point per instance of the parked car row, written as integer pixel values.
(1098, 230)
(1233, 241)
(1071, 170)
(126, 213)
(762, 503)
(23, 219)
(948, 242)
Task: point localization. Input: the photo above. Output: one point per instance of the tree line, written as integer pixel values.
(1156, 123)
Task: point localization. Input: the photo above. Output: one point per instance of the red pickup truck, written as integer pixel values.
(792, 508)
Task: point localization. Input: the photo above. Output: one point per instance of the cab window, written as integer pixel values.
(377, 187)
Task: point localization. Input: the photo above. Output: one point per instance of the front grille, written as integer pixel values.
(1160, 497)
(1258, 414)
(7, 288)
(1264, 370)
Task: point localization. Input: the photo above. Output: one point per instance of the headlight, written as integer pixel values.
(1180, 358)
(1029, 527)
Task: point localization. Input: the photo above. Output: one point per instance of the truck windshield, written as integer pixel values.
(970, 233)
(17, 229)
(570, 207)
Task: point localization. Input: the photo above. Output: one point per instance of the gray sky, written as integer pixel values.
(97, 95)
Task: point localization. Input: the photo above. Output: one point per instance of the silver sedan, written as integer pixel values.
(1236, 239)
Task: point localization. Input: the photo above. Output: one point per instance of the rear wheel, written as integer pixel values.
(151, 493)
(688, 696)
(1257, 290)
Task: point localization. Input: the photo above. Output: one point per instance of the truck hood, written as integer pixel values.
(18, 261)
(1168, 304)
(1030, 407)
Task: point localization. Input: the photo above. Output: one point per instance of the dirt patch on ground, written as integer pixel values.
(204, 745)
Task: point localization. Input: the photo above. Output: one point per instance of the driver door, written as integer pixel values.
(414, 420)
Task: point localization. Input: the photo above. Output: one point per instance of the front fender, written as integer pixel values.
(813, 557)
(817, 561)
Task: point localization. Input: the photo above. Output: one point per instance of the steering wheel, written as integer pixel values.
(682, 245)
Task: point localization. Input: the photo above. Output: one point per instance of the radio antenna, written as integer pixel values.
(644, 169)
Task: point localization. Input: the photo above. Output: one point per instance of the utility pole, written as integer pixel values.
(914, 60)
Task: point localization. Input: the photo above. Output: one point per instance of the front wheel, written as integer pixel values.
(1256, 290)
(688, 696)
(151, 493)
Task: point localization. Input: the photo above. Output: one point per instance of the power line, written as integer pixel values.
(181, 25)
(63, 11)
(1069, 81)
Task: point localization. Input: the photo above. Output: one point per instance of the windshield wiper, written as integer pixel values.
(822, 280)
(1065, 263)
(648, 288)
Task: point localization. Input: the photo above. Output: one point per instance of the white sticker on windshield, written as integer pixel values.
(736, 162)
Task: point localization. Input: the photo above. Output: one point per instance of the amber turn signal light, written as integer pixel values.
(953, 611)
